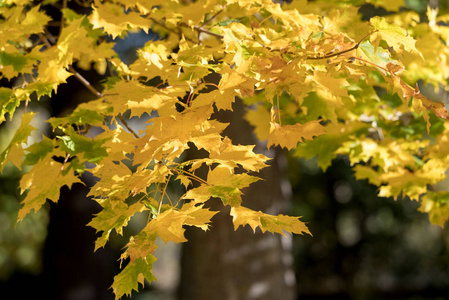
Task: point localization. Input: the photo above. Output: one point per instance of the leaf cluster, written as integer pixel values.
(316, 79)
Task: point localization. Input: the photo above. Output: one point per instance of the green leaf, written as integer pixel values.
(38, 151)
(229, 195)
(8, 103)
(115, 215)
(134, 273)
(325, 147)
(378, 56)
(436, 204)
(17, 60)
(79, 117)
(91, 150)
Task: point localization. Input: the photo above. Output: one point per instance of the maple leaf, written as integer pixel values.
(118, 143)
(79, 117)
(325, 147)
(288, 136)
(235, 81)
(377, 56)
(38, 151)
(223, 184)
(419, 102)
(394, 35)
(139, 98)
(22, 21)
(364, 172)
(44, 182)
(14, 151)
(436, 204)
(276, 224)
(233, 155)
(113, 19)
(335, 86)
(197, 215)
(8, 103)
(167, 225)
(115, 215)
(134, 273)
(92, 150)
(404, 181)
(260, 119)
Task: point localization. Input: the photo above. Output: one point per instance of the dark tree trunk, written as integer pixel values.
(224, 264)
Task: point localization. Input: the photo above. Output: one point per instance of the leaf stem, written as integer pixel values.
(279, 111)
(61, 26)
(371, 63)
(163, 193)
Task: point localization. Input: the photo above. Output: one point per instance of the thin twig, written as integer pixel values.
(213, 17)
(64, 5)
(127, 126)
(163, 192)
(85, 82)
(341, 52)
(200, 29)
(173, 31)
(44, 39)
(63, 164)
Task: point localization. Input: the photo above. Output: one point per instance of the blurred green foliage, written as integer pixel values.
(21, 244)
(364, 247)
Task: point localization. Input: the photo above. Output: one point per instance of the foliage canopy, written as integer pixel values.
(318, 80)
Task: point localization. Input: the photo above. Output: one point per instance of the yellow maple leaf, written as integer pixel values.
(288, 136)
(167, 225)
(335, 86)
(395, 36)
(14, 151)
(436, 205)
(260, 119)
(197, 215)
(231, 156)
(276, 224)
(113, 177)
(115, 215)
(115, 21)
(222, 183)
(44, 182)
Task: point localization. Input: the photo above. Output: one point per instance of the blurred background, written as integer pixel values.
(363, 247)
